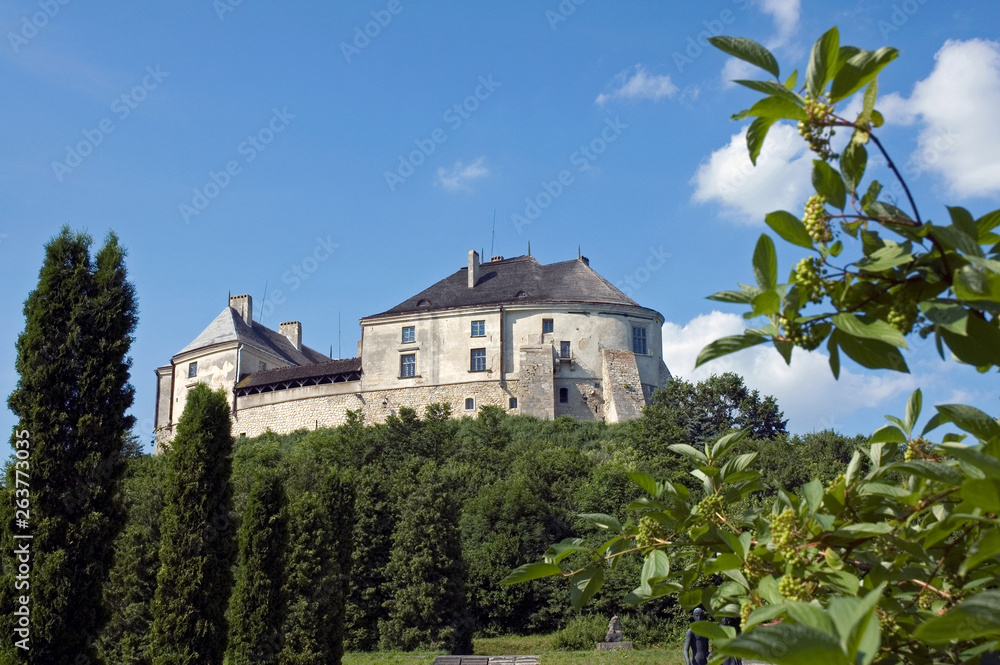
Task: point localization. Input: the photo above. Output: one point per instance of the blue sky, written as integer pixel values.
(237, 144)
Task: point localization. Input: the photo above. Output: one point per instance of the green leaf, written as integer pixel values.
(853, 161)
(987, 223)
(710, 629)
(828, 182)
(875, 330)
(885, 258)
(768, 302)
(646, 482)
(822, 61)
(971, 420)
(987, 547)
(983, 493)
(955, 238)
(858, 70)
(737, 297)
(857, 625)
(777, 108)
(688, 451)
(563, 549)
(726, 561)
(913, 410)
(833, 349)
(974, 285)
(790, 228)
(987, 464)
(726, 345)
(531, 571)
(887, 434)
(863, 530)
(935, 471)
(655, 568)
(962, 220)
(785, 644)
(765, 613)
(980, 346)
(868, 101)
(978, 616)
(765, 262)
(748, 50)
(888, 214)
(756, 133)
(950, 316)
(604, 521)
(585, 584)
(813, 493)
(771, 88)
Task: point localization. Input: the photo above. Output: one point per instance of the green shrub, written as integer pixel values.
(581, 633)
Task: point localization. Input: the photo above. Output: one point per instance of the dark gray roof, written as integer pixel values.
(294, 373)
(229, 326)
(521, 279)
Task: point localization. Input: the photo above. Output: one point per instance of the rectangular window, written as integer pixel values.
(563, 395)
(478, 363)
(547, 326)
(479, 329)
(470, 404)
(638, 340)
(408, 365)
(564, 349)
(409, 334)
(513, 402)
(192, 370)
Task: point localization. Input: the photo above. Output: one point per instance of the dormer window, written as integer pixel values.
(523, 294)
(424, 303)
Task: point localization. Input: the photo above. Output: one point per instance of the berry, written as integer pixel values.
(712, 507)
(814, 130)
(807, 276)
(796, 589)
(816, 220)
(917, 448)
(903, 312)
(784, 534)
(650, 531)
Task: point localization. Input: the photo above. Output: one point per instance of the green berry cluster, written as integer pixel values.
(807, 337)
(925, 600)
(814, 129)
(712, 507)
(793, 588)
(903, 312)
(807, 276)
(650, 532)
(816, 219)
(918, 448)
(746, 607)
(886, 622)
(785, 534)
(754, 567)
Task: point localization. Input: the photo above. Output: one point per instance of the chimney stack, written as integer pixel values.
(293, 331)
(244, 307)
(473, 267)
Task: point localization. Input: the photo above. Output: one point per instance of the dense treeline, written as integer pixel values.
(400, 532)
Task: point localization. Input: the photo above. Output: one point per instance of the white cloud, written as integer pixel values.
(955, 108)
(738, 69)
(640, 85)
(459, 175)
(786, 17)
(747, 193)
(805, 390)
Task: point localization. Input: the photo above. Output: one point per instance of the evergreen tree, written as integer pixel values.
(132, 581)
(71, 402)
(316, 584)
(198, 545)
(258, 606)
(427, 604)
(373, 525)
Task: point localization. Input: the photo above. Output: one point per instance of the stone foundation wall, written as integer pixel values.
(301, 408)
(623, 392)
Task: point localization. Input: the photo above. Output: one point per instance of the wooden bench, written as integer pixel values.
(486, 660)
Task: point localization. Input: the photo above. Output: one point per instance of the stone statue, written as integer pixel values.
(614, 630)
(696, 644)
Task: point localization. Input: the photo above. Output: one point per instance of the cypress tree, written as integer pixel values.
(258, 606)
(427, 604)
(71, 402)
(132, 581)
(316, 586)
(373, 526)
(198, 547)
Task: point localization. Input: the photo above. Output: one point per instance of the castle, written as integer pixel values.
(544, 340)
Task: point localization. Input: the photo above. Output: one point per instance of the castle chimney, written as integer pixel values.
(473, 267)
(244, 307)
(293, 331)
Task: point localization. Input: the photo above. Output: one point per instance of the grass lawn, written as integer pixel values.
(531, 645)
